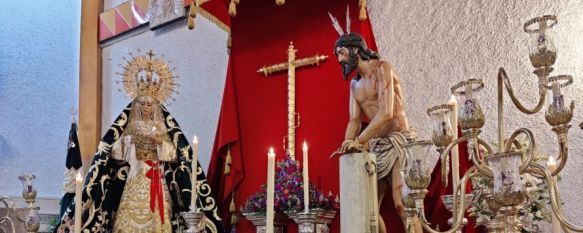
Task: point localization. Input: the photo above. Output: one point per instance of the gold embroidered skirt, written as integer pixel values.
(134, 214)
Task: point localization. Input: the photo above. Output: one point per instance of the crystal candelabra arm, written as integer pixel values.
(12, 206)
(475, 159)
(460, 209)
(541, 170)
(506, 81)
(563, 155)
(479, 163)
(529, 151)
(7, 218)
(562, 131)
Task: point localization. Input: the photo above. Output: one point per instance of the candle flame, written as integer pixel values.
(79, 177)
(305, 145)
(452, 100)
(551, 161)
(195, 140)
(271, 150)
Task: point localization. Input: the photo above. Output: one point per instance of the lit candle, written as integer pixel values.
(306, 180)
(556, 89)
(270, 190)
(469, 92)
(552, 164)
(443, 127)
(455, 162)
(78, 201)
(542, 45)
(193, 174)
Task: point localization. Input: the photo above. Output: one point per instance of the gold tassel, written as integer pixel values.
(229, 43)
(228, 160)
(279, 2)
(190, 23)
(192, 12)
(233, 209)
(233, 8)
(236, 2)
(191, 15)
(362, 15)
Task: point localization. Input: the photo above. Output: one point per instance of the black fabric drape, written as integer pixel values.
(106, 178)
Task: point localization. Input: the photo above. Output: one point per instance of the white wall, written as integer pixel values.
(435, 44)
(39, 84)
(200, 57)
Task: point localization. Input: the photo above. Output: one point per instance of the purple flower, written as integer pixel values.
(289, 191)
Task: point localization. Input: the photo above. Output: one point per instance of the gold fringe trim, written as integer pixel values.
(213, 19)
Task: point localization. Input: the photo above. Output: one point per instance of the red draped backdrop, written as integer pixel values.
(254, 110)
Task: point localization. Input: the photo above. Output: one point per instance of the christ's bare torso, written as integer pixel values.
(367, 91)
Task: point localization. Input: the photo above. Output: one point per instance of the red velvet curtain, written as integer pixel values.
(254, 110)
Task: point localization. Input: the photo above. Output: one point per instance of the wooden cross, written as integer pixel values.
(291, 66)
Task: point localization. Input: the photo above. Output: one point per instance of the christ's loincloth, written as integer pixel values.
(389, 149)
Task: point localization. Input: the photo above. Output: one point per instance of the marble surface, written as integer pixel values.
(355, 196)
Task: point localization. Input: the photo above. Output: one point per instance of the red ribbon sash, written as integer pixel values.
(155, 174)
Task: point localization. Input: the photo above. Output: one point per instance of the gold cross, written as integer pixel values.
(291, 66)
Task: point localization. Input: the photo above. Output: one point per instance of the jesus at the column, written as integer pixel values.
(375, 91)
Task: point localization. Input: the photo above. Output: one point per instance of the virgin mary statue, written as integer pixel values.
(139, 180)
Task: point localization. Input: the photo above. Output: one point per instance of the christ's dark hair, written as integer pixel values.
(355, 40)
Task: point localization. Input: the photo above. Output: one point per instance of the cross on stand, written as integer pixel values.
(291, 66)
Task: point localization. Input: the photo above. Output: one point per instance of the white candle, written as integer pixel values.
(270, 190)
(78, 204)
(194, 170)
(469, 92)
(455, 161)
(306, 180)
(556, 89)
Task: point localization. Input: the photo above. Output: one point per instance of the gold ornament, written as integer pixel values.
(191, 15)
(279, 2)
(233, 8)
(147, 75)
(228, 161)
(362, 15)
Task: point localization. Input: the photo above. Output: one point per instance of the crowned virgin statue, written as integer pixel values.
(139, 180)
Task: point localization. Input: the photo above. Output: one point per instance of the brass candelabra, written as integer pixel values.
(506, 194)
(31, 220)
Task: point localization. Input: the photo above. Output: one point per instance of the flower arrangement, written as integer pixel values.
(289, 194)
(536, 208)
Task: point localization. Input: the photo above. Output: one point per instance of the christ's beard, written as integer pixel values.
(349, 66)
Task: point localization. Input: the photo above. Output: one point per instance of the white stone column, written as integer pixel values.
(357, 194)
